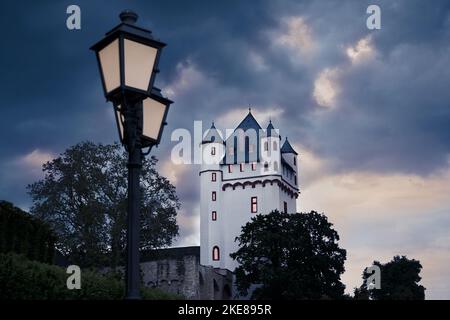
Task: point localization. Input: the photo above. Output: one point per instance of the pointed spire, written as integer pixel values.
(249, 109)
(249, 122)
(212, 135)
(271, 132)
(287, 148)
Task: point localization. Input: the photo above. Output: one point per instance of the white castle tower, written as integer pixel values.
(245, 175)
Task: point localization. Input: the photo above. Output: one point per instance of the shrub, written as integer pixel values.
(22, 279)
(21, 233)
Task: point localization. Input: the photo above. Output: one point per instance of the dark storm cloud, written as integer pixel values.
(392, 112)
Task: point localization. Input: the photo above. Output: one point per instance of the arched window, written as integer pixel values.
(200, 278)
(247, 149)
(275, 146)
(216, 253)
(254, 205)
(275, 166)
(241, 142)
(266, 146)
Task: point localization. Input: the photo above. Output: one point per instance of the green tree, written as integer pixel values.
(24, 234)
(290, 256)
(399, 281)
(83, 196)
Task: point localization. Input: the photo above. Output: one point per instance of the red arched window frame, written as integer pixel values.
(215, 253)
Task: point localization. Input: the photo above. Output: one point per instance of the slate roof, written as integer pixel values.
(249, 122)
(270, 131)
(212, 135)
(287, 148)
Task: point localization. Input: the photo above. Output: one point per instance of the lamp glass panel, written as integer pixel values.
(109, 61)
(153, 116)
(120, 123)
(139, 63)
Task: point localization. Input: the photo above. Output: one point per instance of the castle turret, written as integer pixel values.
(289, 163)
(213, 149)
(239, 186)
(210, 196)
(270, 153)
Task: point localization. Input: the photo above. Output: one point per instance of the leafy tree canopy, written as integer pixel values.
(399, 281)
(290, 256)
(83, 196)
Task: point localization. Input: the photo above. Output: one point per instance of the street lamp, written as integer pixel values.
(128, 58)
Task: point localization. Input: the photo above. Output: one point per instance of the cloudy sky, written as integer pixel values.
(368, 111)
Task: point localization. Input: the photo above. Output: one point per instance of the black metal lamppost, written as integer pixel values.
(128, 58)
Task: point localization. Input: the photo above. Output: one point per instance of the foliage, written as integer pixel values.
(22, 233)
(22, 279)
(290, 256)
(83, 196)
(399, 281)
(361, 293)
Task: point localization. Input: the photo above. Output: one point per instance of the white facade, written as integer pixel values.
(256, 176)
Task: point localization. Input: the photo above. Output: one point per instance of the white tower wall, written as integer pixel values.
(210, 232)
(234, 190)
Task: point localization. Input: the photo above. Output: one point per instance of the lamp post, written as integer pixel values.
(128, 58)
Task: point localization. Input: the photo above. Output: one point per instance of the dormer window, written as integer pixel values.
(266, 146)
(275, 146)
(213, 151)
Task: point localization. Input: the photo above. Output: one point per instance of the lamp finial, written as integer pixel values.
(128, 16)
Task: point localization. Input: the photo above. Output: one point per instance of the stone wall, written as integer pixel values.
(178, 271)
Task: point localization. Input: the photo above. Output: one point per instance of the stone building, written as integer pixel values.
(248, 172)
(178, 271)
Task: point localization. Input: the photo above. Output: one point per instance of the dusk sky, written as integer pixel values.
(368, 111)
